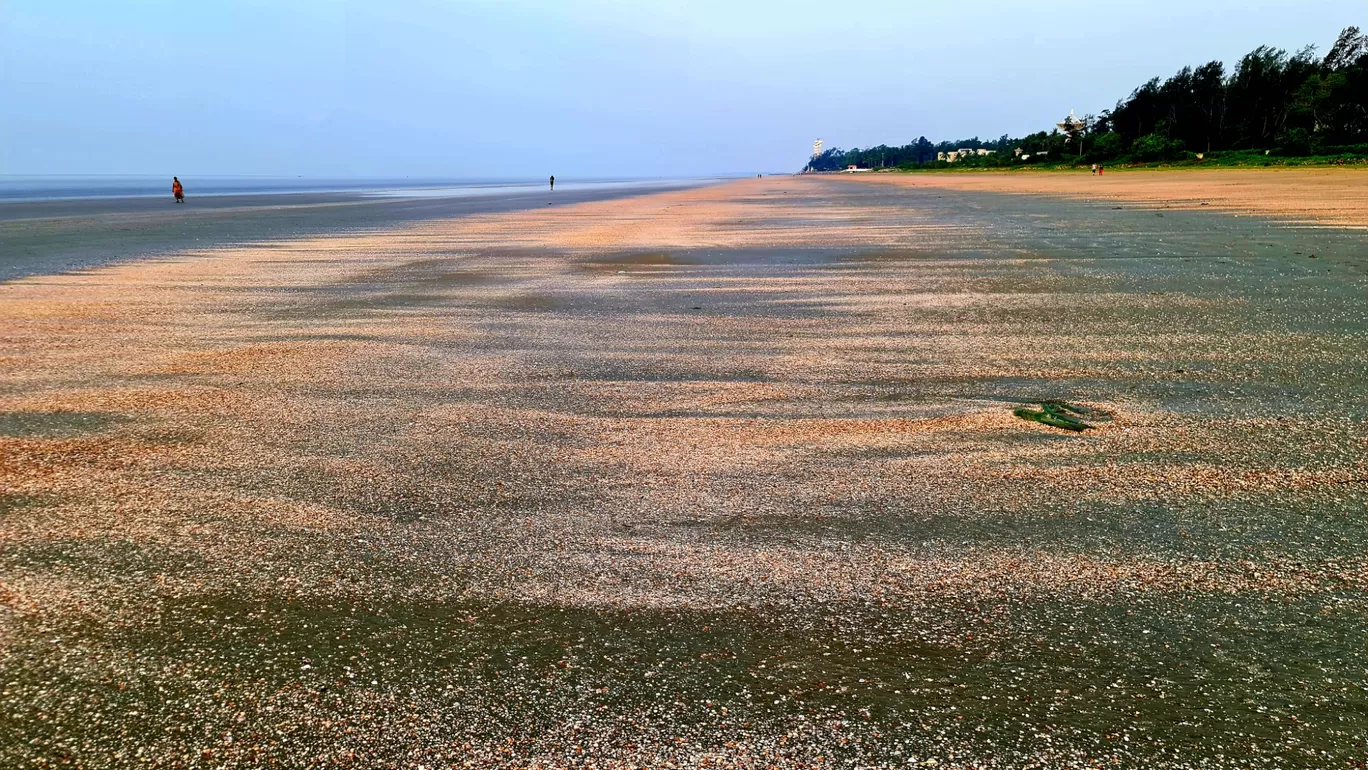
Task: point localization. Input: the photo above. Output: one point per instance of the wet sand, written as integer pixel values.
(38, 237)
(726, 477)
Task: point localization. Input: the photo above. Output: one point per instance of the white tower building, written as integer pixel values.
(817, 148)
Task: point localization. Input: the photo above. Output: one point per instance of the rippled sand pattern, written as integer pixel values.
(727, 477)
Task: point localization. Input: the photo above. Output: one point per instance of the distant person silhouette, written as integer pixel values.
(177, 190)
(553, 183)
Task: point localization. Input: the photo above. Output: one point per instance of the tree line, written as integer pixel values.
(1270, 102)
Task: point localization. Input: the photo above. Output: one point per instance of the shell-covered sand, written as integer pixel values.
(724, 477)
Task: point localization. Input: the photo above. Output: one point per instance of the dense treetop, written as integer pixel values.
(1286, 104)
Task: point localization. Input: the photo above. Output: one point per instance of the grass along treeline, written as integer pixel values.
(1273, 108)
(1354, 156)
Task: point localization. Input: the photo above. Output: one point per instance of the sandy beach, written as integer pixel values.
(1324, 196)
(717, 477)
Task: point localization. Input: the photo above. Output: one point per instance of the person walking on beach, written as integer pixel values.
(177, 189)
(553, 183)
(1094, 167)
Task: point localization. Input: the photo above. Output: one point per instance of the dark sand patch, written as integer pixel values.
(639, 260)
(56, 424)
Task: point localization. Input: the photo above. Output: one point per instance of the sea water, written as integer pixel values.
(14, 189)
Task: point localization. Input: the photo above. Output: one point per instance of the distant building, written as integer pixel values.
(951, 157)
(817, 148)
(1071, 123)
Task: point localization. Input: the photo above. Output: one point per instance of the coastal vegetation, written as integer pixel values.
(1271, 107)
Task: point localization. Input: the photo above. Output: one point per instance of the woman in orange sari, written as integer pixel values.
(177, 190)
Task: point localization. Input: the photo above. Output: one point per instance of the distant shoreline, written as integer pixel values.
(1273, 162)
(52, 236)
(48, 188)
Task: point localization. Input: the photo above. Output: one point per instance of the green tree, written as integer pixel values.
(1270, 99)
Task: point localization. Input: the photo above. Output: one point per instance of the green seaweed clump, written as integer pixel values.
(1058, 414)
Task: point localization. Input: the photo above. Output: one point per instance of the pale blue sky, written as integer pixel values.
(587, 88)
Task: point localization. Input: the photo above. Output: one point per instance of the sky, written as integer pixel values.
(486, 89)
